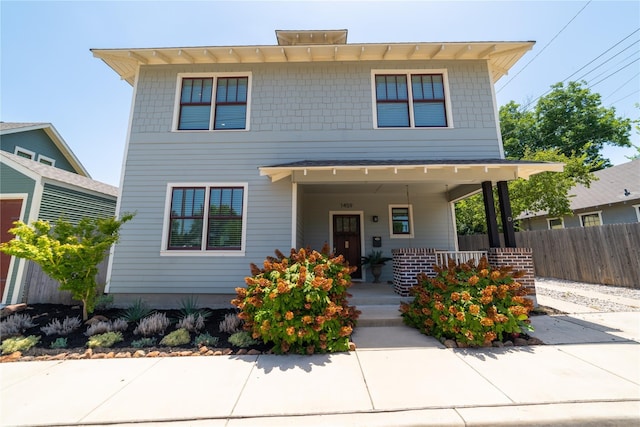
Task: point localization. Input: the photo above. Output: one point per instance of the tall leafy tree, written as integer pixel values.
(68, 253)
(570, 119)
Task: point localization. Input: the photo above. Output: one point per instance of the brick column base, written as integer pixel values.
(408, 263)
(519, 259)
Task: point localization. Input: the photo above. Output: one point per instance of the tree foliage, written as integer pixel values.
(570, 119)
(66, 252)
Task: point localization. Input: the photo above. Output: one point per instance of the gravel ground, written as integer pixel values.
(565, 290)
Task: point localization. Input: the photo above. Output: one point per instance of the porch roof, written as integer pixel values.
(451, 170)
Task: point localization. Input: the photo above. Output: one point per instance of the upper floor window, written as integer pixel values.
(401, 224)
(213, 102)
(206, 218)
(46, 160)
(637, 209)
(411, 99)
(23, 152)
(590, 219)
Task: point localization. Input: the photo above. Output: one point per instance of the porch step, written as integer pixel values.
(379, 315)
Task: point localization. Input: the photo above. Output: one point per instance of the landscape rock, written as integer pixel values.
(154, 353)
(203, 349)
(139, 353)
(534, 341)
(352, 346)
(11, 357)
(241, 352)
(508, 343)
(450, 344)
(498, 344)
(253, 352)
(11, 309)
(96, 319)
(519, 341)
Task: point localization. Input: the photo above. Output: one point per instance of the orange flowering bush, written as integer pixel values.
(299, 302)
(471, 304)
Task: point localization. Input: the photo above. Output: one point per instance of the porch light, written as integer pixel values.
(374, 218)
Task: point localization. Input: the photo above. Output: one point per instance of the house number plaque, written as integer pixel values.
(346, 205)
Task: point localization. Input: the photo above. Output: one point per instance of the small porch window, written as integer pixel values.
(590, 219)
(401, 221)
(555, 223)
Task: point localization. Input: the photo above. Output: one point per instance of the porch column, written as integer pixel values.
(490, 212)
(506, 215)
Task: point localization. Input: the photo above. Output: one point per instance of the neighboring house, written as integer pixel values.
(41, 178)
(613, 198)
(234, 151)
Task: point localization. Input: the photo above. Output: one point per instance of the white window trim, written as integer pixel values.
(411, 228)
(24, 150)
(47, 159)
(409, 72)
(637, 209)
(591, 213)
(214, 76)
(203, 252)
(551, 219)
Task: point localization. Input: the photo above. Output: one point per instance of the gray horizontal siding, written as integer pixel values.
(298, 112)
(59, 202)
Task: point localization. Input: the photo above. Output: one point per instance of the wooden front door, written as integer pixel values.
(9, 212)
(346, 240)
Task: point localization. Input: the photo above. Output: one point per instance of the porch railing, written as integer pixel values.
(442, 257)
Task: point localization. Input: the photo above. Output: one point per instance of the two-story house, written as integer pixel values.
(234, 151)
(41, 178)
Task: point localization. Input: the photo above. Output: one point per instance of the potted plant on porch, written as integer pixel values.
(375, 261)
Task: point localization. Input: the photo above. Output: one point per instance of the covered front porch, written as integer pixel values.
(404, 208)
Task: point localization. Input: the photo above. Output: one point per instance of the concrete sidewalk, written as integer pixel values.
(588, 374)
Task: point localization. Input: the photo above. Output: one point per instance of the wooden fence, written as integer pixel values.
(607, 254)
(42, 289)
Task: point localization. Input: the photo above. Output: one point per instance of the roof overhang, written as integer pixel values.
(500, 55)
(466, 175)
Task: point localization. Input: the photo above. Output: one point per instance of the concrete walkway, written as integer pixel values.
(587, 374)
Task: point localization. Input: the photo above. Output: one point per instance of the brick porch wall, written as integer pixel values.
(409, 262)
(519, 259)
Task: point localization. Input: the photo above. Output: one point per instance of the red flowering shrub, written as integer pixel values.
(472, 305)
(299, 303)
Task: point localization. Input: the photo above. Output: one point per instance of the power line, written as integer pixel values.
(622, 60)
(621, 86)
(589, 63)
(614, 65)
(615, 72)
(547, 45)
(625, 97)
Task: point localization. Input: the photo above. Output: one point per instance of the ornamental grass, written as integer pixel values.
(299, 303)
(474, 305)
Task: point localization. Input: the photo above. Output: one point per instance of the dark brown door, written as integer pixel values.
(9, 212)
(346, 240)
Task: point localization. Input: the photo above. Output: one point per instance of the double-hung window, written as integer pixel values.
(401, 223)
(590, 219)
(411, 99)
(217, 102)
(206, 218)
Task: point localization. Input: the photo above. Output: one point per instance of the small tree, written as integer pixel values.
(68, 253)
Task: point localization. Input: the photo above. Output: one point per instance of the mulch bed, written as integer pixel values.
(43, 314)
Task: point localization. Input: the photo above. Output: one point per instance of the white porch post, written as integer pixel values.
(294, 215)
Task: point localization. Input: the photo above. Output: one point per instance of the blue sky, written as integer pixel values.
(47, 73)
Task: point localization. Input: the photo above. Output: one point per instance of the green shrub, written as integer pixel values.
(136, 311)
(176, 338)
(104, 302)
(190, 306)
(11, 345)
(205, 339)
(242, 339)
(143, 342)
(59, 343)
(104, 340)
(299, 303)
(473, 305)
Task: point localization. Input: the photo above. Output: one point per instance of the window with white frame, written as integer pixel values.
(23, 152)
(46, 160)
(401, 221)
(413, 99)
(637, 209)
(213, 102)
(590, 219)
(205, 218)
(555, 223)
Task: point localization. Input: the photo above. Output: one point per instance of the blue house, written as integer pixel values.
(234, 151)
(41, 178)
